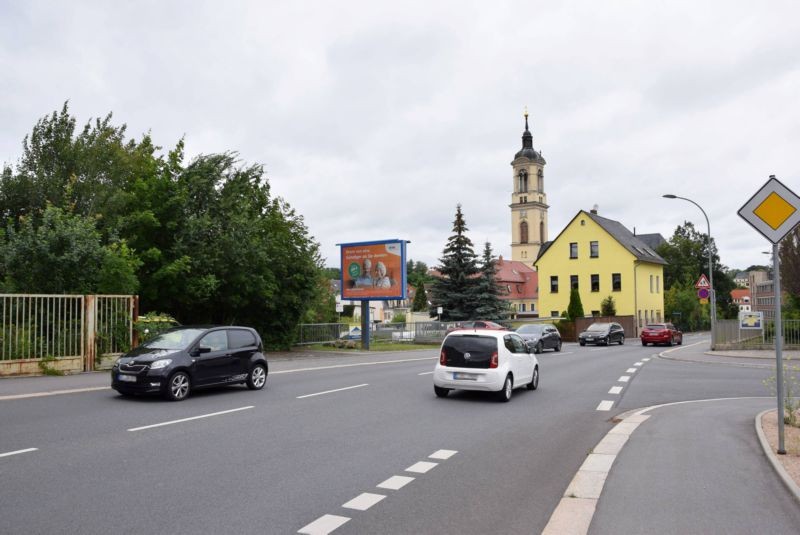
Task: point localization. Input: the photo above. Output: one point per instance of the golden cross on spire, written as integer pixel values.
(526, 112)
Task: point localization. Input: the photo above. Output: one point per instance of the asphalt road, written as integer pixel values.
(331, 431)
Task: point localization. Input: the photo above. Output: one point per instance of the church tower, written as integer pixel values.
(528, 201)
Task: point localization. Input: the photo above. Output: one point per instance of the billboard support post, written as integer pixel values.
(365, 321)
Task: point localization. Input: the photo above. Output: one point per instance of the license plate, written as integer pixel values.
(589, 338)
(127, 378)
(464, 376)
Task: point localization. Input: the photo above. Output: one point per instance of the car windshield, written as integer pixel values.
(656, 326)
(175, 339)
(531, 329)
(598, 327)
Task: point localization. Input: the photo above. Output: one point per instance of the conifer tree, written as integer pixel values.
(455, 288)
(420, 298)
(575, 307)
(488, 303)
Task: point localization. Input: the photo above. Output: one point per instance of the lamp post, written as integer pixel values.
(710, 266)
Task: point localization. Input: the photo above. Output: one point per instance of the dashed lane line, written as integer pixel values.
(332, 391)
(631, 370)
(615, 390)
(171, 422)
(442, 454)
(324, 525)
(624, 379)
(425, 373)
(363, 501)
(10, 453)
(395, 482)
(605, 405)
(422, 467)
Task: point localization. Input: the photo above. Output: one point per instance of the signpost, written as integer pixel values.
(774, 211)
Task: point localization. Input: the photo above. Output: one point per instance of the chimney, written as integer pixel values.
(500, 260)
(594, 209)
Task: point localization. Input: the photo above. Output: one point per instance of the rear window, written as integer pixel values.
(656, 326)
(470, 344)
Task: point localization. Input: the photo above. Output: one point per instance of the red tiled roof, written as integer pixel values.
(740, 293)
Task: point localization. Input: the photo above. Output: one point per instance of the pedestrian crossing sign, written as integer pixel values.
(702, 283)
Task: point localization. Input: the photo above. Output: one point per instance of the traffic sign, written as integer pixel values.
(702, 282)
(773, 211)
(704, 301)
(702, 293)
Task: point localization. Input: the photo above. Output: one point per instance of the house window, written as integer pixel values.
(554, 285)
(523, 232)
(594, 249)
(616, 282)
(651, 284)
(522, 307)
(573, 250)
(595, 283)
(658, 286)
(554, 314)
(573, 282)
(595, 313)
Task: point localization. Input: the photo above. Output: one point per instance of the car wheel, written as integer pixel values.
(441, 392)
(558, 346)
(669, 342)
(508, 387)
(644, 343)
(606, 341)
(178, 387)
(680, 341)
(582, 343)
(622, 340)
(534, 384)
(538, 348)
(257, 377)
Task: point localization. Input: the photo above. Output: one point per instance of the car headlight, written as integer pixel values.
(163, 363)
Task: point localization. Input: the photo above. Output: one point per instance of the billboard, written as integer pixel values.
(374, 270)
(751, 320)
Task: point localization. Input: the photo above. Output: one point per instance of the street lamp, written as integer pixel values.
(710, 266)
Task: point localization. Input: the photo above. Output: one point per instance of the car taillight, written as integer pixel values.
(442, 358)
(493, 361)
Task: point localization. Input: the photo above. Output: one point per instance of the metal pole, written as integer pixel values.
(365, 321)
(778, 345)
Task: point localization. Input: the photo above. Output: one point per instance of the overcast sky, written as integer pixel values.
(374, 119)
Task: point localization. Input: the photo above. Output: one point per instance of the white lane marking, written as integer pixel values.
(646, 359)
(332, 391)
(190, 419)
(422, 467)
(54, 393)
(631, 370)
(8, 454)
(425, 373)
(350, 365)
(364, 501)
(615, 390)
(638, 363)
(395, 482)
(323, 525)
(605, 405)
(624, 379)
(442, 454)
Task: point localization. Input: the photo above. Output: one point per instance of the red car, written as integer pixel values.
(661, 333)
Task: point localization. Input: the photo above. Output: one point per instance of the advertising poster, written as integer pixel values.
(374, 270)
(751, 320)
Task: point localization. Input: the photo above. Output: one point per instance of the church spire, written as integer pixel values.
(527, 137)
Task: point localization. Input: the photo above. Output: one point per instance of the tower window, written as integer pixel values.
(523, 232)
(542, 238)
(522, 185)
(540, 177)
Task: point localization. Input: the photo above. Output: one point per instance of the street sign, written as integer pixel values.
(704, 301)
(702, 293)
(702, 282)
(773, 211)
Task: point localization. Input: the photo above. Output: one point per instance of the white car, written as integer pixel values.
(485, 360)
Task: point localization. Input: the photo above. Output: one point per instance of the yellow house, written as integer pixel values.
(601, 258)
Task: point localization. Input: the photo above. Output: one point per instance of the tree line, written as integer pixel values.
(90, 210)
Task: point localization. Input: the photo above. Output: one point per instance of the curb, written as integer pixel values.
(773, 458)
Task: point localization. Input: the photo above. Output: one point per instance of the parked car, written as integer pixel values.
(486, 360)
(541, 336)
(661, 333)
(180, 360)
(602, 333)
(477, 324)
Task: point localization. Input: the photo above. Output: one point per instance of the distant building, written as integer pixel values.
(519, 284)
(762, 293)
(742, 279)
(741, 298)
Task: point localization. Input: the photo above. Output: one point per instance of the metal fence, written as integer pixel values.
(729, 335)
(424, 332)
(35, 326)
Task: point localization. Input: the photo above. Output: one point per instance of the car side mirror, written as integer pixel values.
(199, 350)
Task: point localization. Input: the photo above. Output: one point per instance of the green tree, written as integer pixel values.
(682, 307)
(488, 304)
(608, 307)
(417, 272)
(575, 307)
(454, 290)
(686, 254)
(420, 299)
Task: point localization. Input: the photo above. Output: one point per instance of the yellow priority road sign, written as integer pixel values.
(773, 211)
